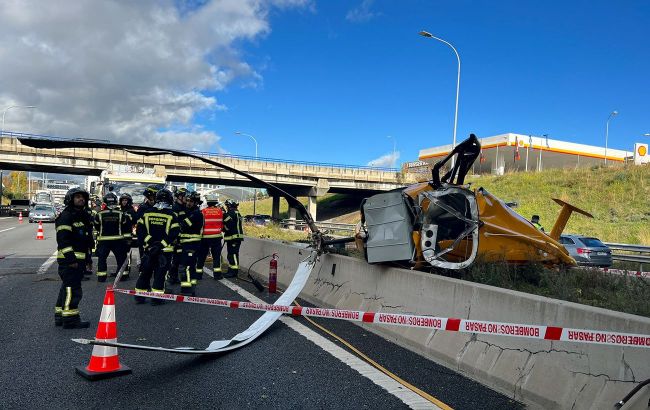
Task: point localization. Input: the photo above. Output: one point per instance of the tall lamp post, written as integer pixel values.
(611, 115)
(429, 35)
(255, 190)
(2, 131)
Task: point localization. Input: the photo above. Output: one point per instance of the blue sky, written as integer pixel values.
(333, 88)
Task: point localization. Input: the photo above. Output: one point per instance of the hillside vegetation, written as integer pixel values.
(617, 197)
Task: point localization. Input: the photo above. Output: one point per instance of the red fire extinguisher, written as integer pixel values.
(273, 273)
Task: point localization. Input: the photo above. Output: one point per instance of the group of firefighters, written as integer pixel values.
(173, 234)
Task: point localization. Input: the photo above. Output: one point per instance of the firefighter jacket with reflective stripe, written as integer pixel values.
(139, 228)
(74, 236)
(191, 226)
(232, 226)
(130, 211)
(213, 225)
(159, 226)
(112, 225)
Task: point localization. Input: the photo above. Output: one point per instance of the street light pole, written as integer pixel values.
(256, 157)
(429, 35)
(611, 115)
(2, 131)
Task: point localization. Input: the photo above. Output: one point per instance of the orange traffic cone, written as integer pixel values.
(104, 361)
(20, 217)
(39, 233)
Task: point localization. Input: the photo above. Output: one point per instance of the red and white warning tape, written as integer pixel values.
(624, 272)
(428, 322)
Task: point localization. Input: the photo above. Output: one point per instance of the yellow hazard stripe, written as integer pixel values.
(64, 228)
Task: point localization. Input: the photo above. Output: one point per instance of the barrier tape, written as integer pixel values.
(424, 322)
(624, 272)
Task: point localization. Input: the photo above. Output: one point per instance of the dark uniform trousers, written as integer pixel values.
(70, 293)
(187, 267)
(214, 246)
(233, 256)
(156, 265)
(119, 249)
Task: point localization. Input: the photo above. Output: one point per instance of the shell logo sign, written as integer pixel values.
(641, 155)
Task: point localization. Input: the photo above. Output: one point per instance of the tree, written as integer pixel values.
(15, 185)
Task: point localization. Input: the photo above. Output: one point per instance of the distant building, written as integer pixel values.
(517, 152)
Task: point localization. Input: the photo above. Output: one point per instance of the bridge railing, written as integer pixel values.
(13, 134)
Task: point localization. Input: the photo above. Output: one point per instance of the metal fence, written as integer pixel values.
(326, 226)
(634, 253)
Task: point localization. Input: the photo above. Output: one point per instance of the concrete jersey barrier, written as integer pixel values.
(541, 373)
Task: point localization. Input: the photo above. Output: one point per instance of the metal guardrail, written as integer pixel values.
(13, 134)
(333, 226)
(5, 210)
(626, 257)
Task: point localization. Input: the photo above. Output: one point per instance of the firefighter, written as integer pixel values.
(190, 242)
(211, 240)
(113, 227)
(233, 235)
(74, 240)
(179, 209)
(149, 201)
(159, 231)
(126, 206)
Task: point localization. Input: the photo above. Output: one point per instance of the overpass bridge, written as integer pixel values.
(305, 179)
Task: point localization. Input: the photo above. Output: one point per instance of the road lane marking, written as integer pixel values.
(8, 229)
(407, 396)
(5, 217)
(44, 267)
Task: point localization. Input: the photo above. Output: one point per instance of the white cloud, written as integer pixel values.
(135, 71)
(388, 160)
(362, 13)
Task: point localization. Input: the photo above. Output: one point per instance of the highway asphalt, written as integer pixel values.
(282, 369)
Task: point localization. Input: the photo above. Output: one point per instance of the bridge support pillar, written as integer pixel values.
(311, 206)
(275, 208)
(292, 217)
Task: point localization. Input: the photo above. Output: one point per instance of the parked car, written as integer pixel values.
(17, 206)
(259, 219)
(587, 251)
(43, 213)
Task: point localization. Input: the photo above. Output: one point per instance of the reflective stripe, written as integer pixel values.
(175, 225)
(164, 243)
(194, 281)
(227, 218)
(108, 314)
(101, 273)
(168, 249)
(187, 221)
(110, 238)
(80, 255)
(64, 228)
(216, 269)
(146, 238)
(69, 312)
(66, 250)
(58, 309)
(68, 298)
(162, 291)
(105, 351)
(142, 290)
(217, 235)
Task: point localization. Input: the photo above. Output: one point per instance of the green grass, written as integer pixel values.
(618, 198)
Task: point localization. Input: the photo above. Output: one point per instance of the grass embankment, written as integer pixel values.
(618, 198)
(328, 206)
(588, 287)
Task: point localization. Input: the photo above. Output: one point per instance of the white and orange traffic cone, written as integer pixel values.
(20, 217)
(104, 361)
(39, 233)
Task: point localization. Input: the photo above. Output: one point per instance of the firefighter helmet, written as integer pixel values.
(150, 191)
(110, 199)
(231, 203)
(128, 197)
(212, 200)
(165, 196)
(180, 192)
(194, 197)
(69, 196)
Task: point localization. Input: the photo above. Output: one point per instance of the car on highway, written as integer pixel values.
(587, 251)
(16, 206)
(42, 213)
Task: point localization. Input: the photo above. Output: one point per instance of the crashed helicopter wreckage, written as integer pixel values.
(258, 327)
(444, 224)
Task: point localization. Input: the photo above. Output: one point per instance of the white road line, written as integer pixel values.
(5, 217)
(8, 229)
(44, 267)
(408, 397)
